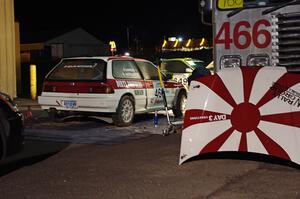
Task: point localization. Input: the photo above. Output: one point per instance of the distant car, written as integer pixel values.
(180, 68)
(118, 86)
(11, 127)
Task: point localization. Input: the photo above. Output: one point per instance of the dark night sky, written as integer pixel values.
(149, 21)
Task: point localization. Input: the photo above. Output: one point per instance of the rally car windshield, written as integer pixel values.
(262, 3)
(195, 64)
(79, 70)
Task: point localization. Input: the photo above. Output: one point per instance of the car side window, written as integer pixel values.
(148, 70)
(125, 69)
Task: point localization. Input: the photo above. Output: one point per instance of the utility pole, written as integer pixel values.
(127, 30)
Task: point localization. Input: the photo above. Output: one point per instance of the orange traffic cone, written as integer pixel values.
(28, 114)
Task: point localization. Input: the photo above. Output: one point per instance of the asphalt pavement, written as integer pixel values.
(148, 167)
(85, 130)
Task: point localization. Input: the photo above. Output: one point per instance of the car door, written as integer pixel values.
(153, 86)
(129, 80)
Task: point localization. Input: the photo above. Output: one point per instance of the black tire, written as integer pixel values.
(51, 113)
(55, 115)
(179, 107)
(125, 112)
(4, 128)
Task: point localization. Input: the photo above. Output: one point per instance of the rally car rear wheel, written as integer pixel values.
(125, 112)
(180, 105)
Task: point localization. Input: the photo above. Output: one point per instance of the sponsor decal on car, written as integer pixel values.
(129, 84)
(138, 92)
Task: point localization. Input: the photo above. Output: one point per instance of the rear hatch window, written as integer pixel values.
(78, 76)
(79, 70)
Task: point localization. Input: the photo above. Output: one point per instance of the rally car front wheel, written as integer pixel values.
(180, 105)
(125, 112)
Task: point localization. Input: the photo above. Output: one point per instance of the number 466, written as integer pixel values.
(248, 37)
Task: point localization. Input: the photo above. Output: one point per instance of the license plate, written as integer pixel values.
(70, 104)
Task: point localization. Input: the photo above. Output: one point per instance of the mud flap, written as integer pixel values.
(243, 109)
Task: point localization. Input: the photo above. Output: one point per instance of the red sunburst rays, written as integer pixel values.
(216, 84)
(290, 119)
(249, 75)
(271, 146)
(216, 144)
(246, 117)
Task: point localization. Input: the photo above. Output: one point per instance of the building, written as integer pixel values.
(45, 49)
(77, 42)
(8, 48)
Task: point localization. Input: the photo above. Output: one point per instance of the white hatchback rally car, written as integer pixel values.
(118, 86)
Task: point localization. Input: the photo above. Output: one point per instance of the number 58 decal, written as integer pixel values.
(248, 37)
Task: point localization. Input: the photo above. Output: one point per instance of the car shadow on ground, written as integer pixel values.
(34, 151)
(85, 123)
(37, 149)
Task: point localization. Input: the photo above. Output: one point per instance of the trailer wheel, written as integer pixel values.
(125, 112)
(180, 105)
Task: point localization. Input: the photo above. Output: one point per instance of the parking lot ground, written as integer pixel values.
(86, 130)
(143, 167)
(148, 168)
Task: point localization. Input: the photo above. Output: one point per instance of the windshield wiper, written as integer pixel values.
(269, 10)
(236, 11)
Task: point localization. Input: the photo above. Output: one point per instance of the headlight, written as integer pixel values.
(258, 60)
(230, 61)
(9, 101)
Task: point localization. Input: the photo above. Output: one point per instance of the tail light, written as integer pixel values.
(104, 88)
(48, 88)
(78, 87)
(109, 89)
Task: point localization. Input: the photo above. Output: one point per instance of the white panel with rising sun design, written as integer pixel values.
(217, 119)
